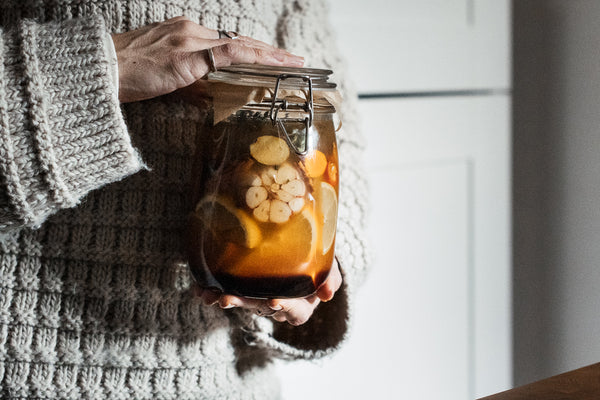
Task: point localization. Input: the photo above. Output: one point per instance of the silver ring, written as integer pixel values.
(211, 60)
(231, 35)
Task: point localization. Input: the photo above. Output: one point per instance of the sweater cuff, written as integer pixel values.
(68, 136)
(113, 63)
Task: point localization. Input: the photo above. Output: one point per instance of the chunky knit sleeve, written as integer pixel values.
(304, 29)
(62, 133)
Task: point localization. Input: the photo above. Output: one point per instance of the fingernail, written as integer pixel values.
(228, 306)
(276, 307)
(326, 296)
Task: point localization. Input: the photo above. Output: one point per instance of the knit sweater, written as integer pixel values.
(95, 298)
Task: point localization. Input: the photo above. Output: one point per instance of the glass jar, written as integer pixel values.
(265, 183)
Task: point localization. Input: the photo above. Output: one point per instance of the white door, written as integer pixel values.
(433, 320)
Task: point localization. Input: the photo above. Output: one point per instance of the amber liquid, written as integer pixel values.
(236, 247)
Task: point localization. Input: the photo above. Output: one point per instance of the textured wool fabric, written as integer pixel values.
(95, 298)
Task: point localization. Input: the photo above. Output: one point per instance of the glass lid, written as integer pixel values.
(267, 76)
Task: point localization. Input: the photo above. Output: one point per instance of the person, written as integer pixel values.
(96, 299)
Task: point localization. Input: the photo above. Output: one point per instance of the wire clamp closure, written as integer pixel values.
(277, 105)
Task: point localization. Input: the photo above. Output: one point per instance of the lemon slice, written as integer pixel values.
(270, 150)
(300, 235)
(228, 222)
(329, 206)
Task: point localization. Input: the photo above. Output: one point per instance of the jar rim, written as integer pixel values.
(268, 76)
(319, 107)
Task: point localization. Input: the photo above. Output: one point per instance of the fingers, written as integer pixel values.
(163, 57)
(331, 285)
(248, 41)
(250, 52)
(228, 51)
(294, 311)
(225, 301)
(184, 24)
(228, 301)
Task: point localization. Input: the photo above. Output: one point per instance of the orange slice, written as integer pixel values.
(328, 207)
(228, 222)
(315, 164)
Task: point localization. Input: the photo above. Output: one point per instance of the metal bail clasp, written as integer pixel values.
(277, 105)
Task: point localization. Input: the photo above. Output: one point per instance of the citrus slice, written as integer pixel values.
(286, 251)
(270, 150)
(315, 164)
(332, 172)
(228, 222)
(297, 238)
(329, 207)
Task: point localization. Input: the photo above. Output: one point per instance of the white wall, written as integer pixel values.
(556, 186)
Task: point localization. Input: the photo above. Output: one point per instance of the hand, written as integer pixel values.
(160, 58)
(294, 311)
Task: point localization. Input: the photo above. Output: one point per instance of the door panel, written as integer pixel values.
(429, 45)
(433, 319)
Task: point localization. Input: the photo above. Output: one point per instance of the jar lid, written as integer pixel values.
(268, 76)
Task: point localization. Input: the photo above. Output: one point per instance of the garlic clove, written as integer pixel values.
(255, 180)
(286, 173)
(256, 195)
(268, 177)
(261, 212)
(295, 187)
(296, 204)
(284, 196)
(279, 212)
